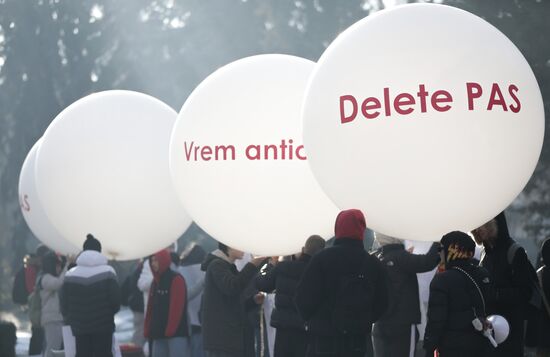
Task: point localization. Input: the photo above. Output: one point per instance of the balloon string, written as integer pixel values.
(262, 341)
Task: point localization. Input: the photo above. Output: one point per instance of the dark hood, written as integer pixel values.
(164, 260)
(545, 252)
(503, 234)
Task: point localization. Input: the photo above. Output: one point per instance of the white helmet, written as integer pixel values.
(501, 328)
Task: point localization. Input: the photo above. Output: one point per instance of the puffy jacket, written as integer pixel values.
(454, 303)
(50, 287)
(402, 267)
(90, 296)
(316, 293)
(283, 279)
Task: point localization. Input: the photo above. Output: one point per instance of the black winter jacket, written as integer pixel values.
(402, 267)
(256, 319)
(283, 279)
(454, 303)
(90, 295)
(316, 293)
(513, 285)
(544, 320)
(223, 314)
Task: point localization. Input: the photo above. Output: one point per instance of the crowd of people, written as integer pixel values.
(335, 301)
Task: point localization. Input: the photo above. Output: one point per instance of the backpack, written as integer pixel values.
(351, 312)
(19, 293)
(35, 305)
(535, 304)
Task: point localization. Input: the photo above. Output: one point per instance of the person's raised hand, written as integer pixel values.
(259, 298)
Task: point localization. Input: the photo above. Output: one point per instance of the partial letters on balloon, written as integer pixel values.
(286, 150)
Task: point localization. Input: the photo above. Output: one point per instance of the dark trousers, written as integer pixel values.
(94, 345)
(394, 340)
(461, 344)
(36, 345)
(513, 345)
(290, 343)
(337, 346)
(475, 350)
(8, 339)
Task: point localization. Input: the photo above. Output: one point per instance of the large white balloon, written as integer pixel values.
(238, 163)
(103, 169)
(426, 117)
(34, 213)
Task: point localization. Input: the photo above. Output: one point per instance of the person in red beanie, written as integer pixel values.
(342, 293)
(166, 320)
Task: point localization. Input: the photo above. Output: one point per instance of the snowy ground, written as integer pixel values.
(124, 331)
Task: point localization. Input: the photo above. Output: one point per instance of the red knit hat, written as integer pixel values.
(350, 224)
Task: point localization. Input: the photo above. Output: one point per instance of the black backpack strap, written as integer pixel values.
(477, 288)
(511, 253)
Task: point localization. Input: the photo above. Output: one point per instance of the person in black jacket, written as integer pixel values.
(395, 334)
(342, 292)
(90, 297)
(283, 278)
(223, 315)
(543, 330)
(458, 296)
(513, 278)
(255, 331)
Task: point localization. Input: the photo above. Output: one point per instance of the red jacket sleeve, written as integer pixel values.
(178, 297)
(147, 323)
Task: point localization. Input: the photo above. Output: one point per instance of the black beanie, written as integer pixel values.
(91, 244)
(458, 246)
